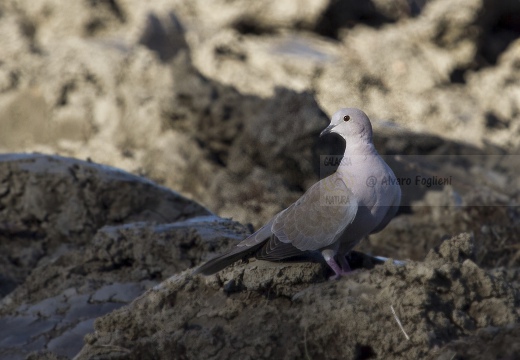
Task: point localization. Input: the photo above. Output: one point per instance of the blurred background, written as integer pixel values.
(223, 100)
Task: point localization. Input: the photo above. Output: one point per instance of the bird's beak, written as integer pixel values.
(327, 130)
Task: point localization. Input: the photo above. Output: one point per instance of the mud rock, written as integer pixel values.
(488, 343)
(265, 16)
(92, 94)
(420, 81)
(500, 118)
(347, 318)
(244, 145)
(257, 65)
(431, 55)
(81, 85)
(49, 202)
(61, 298)
(55, 278)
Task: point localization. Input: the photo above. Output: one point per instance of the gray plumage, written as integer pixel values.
(334, 215)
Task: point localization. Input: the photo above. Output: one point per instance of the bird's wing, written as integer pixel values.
(241, 250)
(259, 236)
(318, 217)
(312, 222)
(275, 250)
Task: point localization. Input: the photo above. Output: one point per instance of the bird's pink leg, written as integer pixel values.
(344, 264)
(328, 255)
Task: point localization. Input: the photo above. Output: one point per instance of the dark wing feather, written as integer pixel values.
(240, 251)
(275, 250)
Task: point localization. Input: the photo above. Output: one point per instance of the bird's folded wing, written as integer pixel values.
(312, 222)
(275, 250)
(241, 250)
(258, 236)
(318, 217)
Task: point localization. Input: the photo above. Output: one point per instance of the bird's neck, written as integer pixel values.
(360, 146)
(359, 158)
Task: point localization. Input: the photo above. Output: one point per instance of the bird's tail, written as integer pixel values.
(220, 262)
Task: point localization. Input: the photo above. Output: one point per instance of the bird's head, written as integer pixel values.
(351, 124)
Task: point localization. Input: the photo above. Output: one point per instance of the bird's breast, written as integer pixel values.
(372, 181)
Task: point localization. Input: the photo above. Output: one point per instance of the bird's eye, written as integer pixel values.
(346, 118)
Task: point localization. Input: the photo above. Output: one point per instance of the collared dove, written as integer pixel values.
(336, 213)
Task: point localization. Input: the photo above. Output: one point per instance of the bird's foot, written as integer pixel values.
(338, 271)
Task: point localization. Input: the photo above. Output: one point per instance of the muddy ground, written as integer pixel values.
(138, 140)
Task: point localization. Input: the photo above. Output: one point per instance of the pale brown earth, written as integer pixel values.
(201, 111)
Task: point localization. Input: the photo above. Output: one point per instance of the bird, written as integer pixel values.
(335, 213)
